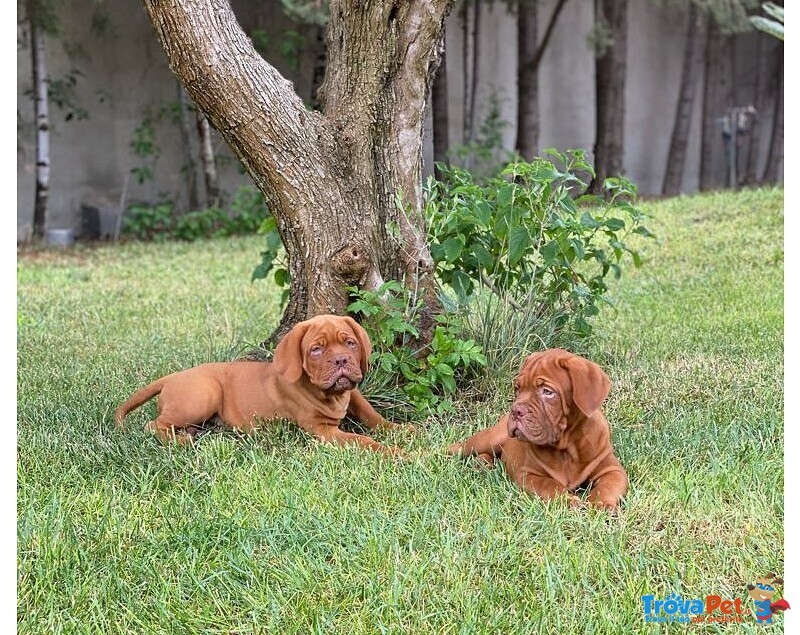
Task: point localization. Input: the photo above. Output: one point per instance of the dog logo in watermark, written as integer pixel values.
(762, 592)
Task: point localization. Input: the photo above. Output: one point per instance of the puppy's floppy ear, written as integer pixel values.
(590, 384)
(363, 342)
(288, 357)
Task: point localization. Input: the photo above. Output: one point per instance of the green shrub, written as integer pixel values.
(145, 222)
(426, 374)
(524, 236)
(523, 259)
(211, 222)
(247, 212)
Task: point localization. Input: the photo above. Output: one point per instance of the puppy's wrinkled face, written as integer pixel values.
(332, 354)
(539, 411)
(553, 389)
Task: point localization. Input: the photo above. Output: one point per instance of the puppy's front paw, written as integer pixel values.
(576, 502)
(455, 449)
(397, 427)
(394, 452)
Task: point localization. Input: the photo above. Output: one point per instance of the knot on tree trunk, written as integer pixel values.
(351, 264)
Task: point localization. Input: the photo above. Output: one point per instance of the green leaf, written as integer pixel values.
(482, 255)
(614, 224)
(549, 252)
(452, 248)
(269, 224)
(274, 241)
(261, 271)
(518, 242)
(444, 370)
(282, 277)
(588, 221)
(462, 284)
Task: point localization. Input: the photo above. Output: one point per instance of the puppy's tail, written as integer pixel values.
(137, 399)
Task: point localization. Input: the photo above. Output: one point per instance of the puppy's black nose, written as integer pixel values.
(340, 361)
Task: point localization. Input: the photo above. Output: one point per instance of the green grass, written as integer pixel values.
(279, 534)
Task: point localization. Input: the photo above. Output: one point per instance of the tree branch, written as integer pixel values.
(216, 62)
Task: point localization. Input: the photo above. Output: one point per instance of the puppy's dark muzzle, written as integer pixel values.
(518, 414)
(345, 375)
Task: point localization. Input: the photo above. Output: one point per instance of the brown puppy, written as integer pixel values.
(555, 439)
(311, 381)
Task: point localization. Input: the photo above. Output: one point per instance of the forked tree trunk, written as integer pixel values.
(692, 61)
(42, 117)
(610, 69)
(344, 185)
(529, 58)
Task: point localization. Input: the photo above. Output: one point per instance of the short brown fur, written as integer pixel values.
(555, 438)
(311, 381)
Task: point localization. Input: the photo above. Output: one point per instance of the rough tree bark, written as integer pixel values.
(529, 57)
(332, 179)
(42, 117)
(692, 63)
(610, 68)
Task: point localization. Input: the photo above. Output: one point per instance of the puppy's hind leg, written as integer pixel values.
(183, 408)
(167, 432)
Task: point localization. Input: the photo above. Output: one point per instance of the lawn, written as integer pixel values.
(280, 534)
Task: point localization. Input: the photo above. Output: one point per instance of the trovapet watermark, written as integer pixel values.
(758, 606)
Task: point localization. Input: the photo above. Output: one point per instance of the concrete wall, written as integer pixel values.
(125, 75)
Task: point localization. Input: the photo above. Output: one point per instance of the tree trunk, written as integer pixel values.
(208, 160)
(463, 15)
(186, 143)
(750, 176)
(775, 153)
(692, 60)
(440, 111)
(345, 187)
(610, 68)
(41, 114)
(473, 93)
(527, 81)
(716, 101)
(529, 57)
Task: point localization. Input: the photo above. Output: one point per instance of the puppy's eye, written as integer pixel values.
(315, 350)
(351, 344)
(546, 392)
